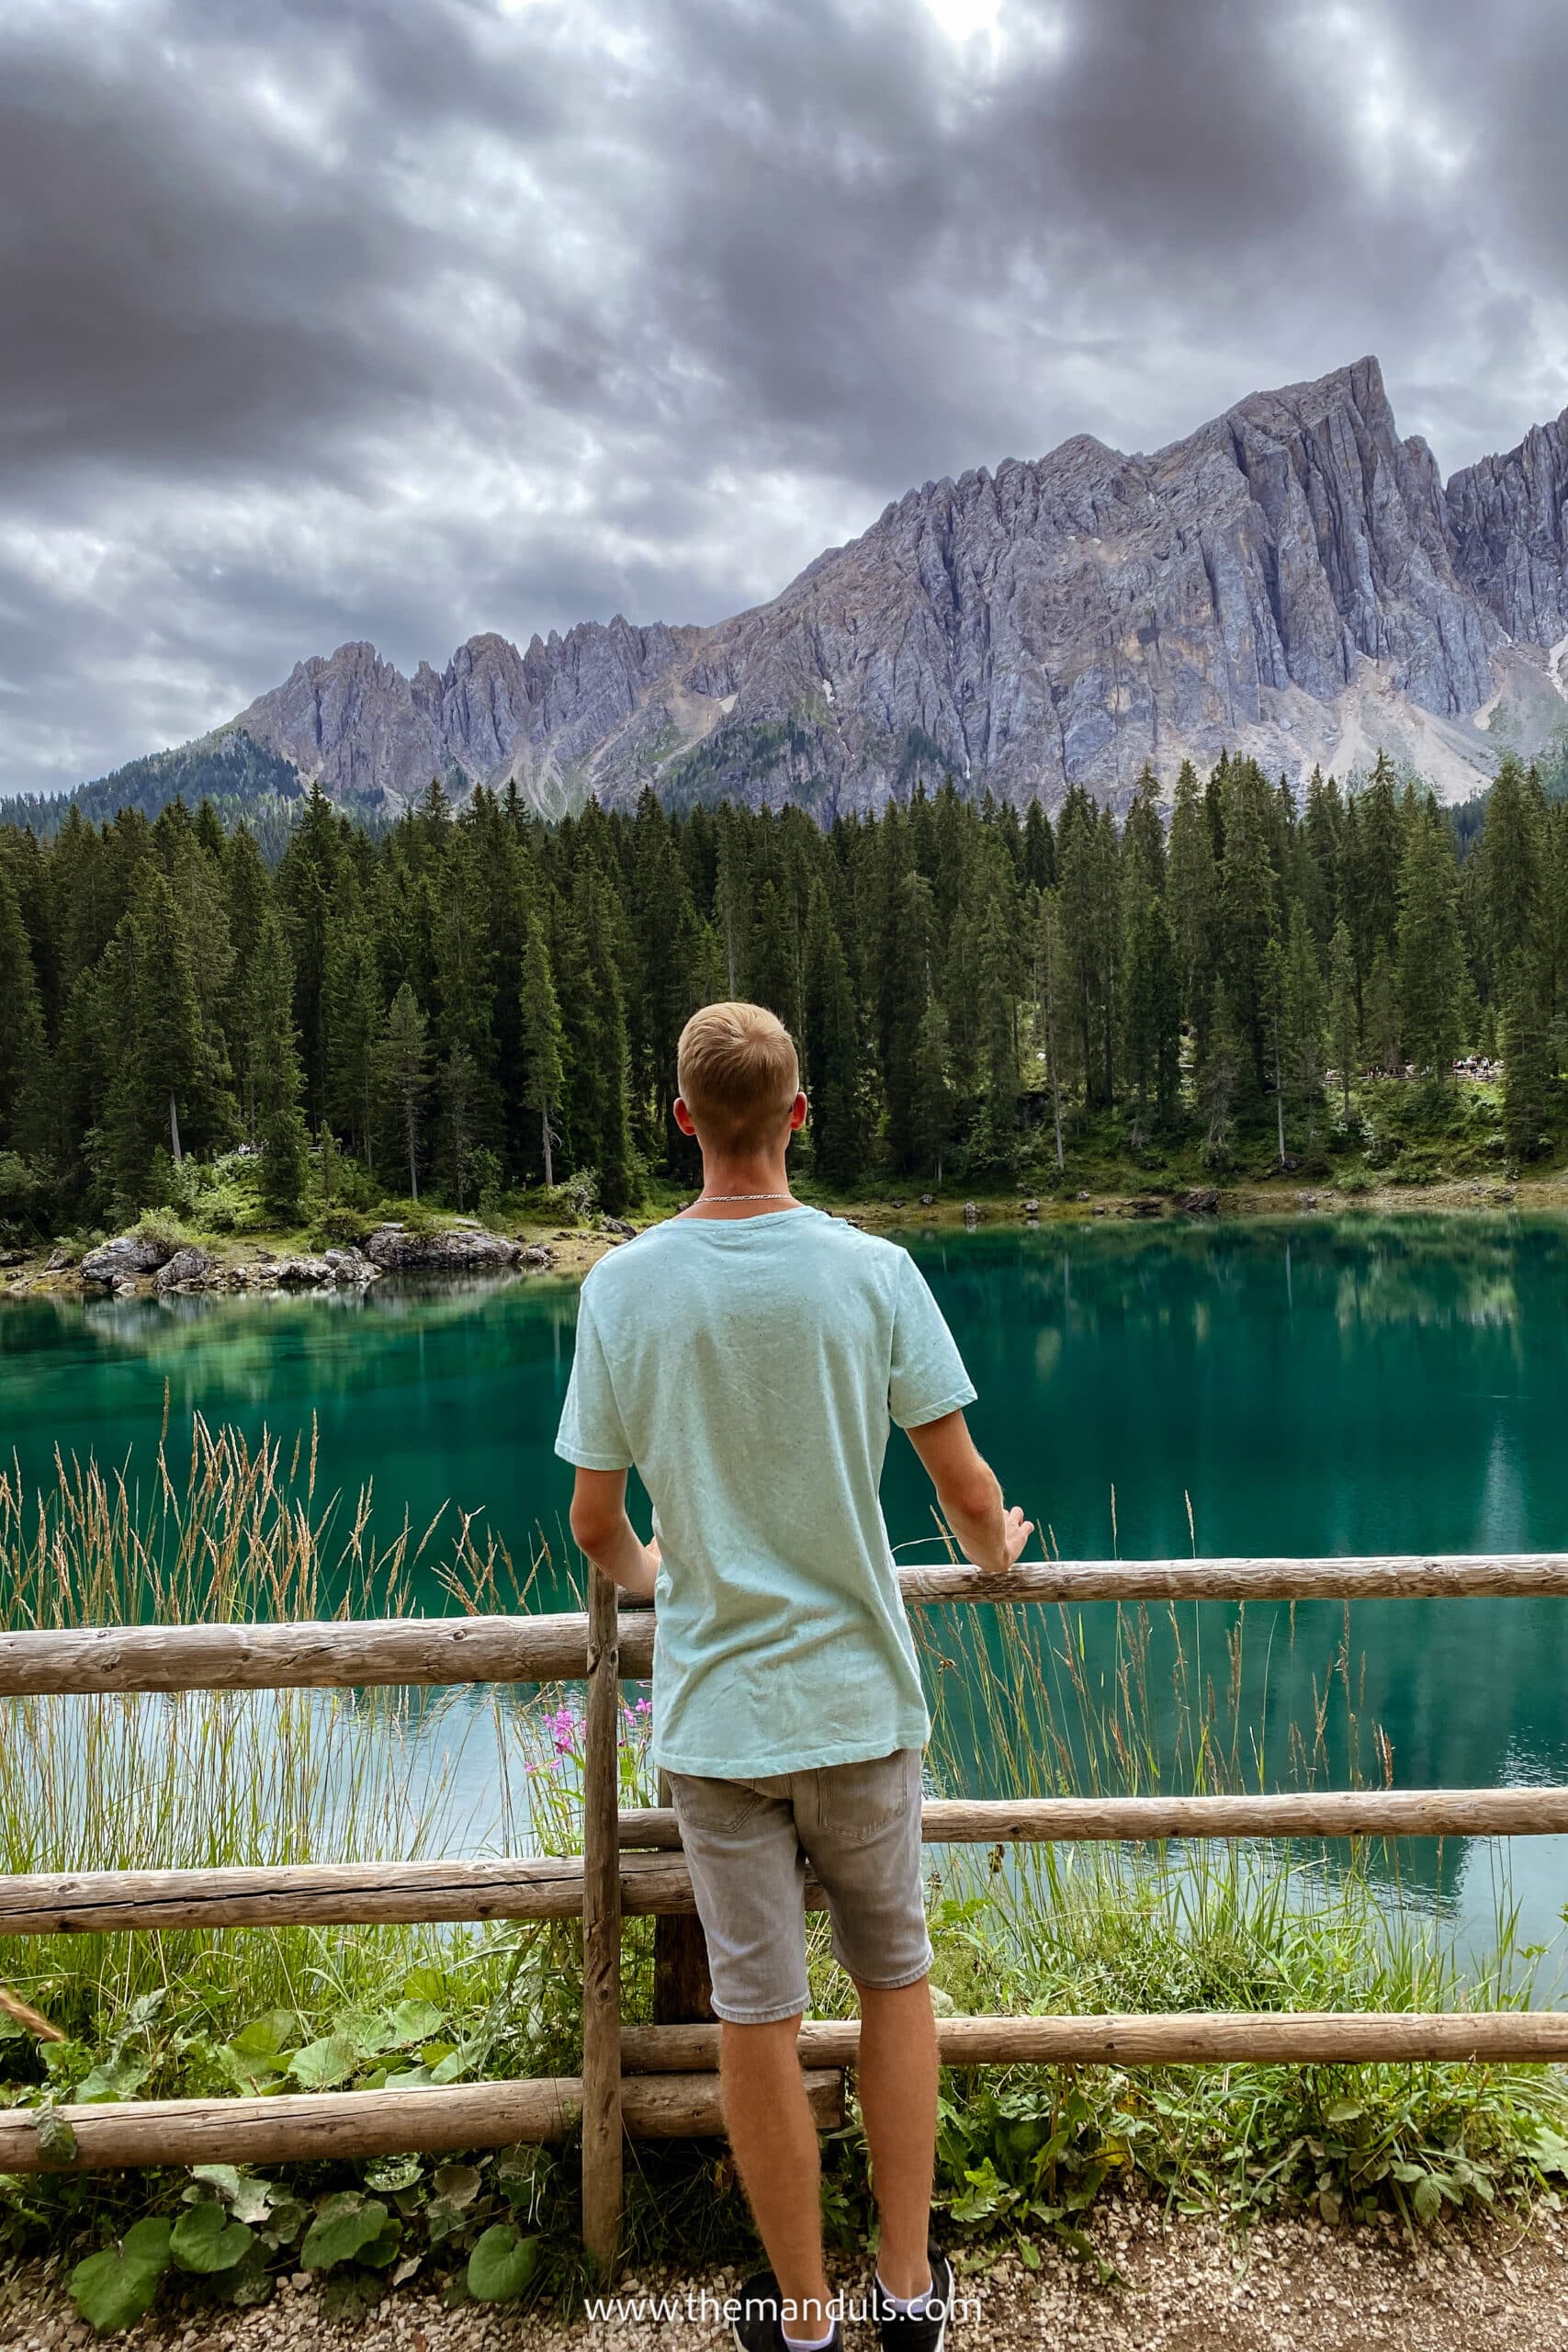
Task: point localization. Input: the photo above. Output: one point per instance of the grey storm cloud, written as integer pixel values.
(403, 319)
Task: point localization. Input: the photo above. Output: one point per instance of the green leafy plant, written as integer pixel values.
(114, 2289)
(502, 2265)
(350, 2227)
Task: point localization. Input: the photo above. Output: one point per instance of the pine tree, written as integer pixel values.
(1381, 1017)
(307, 887)
(995, 1139)
(1048, 991)
(1429, 974)
(1039, 849)
(1192, 897)
(1305, 1016)
(833, 1059)
(1510, 868)
(1273, 999)
(732, 899)
(247, 895)
(403, 1071)
(458, 1084)
(170, 1092)
(1344, 1032)
(1321, 841)
(595, 1053)
(1530, 1075)
(1142, 838)
(1089, 899)
(463, 1028)
(909, 973)
(274, 1079)
(772, 968)
(1248, 904)
(1222, 1076)
(933, 1107)
(353, 1021)
(544, 1079)
(1153, 1012)
(673, 967)
(198, 882)
(25, 1109)
(1371, 853)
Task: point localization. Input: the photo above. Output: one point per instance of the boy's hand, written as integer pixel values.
(1016, 1533)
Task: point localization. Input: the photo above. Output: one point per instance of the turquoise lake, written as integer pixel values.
(1309, 1387)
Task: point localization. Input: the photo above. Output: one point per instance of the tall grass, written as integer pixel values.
(243, 1532)
(1024, 1699)
(1275, 1925)
(202, 1780)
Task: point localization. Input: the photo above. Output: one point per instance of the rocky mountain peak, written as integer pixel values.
(1291, 579)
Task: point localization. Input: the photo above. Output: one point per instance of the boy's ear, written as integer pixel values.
(683, 1118)
(797, 1111)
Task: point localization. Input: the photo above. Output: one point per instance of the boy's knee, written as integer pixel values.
(740, 2041)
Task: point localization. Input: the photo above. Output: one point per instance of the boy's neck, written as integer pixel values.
(739, 1188)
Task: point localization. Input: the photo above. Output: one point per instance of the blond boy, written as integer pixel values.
(747, 1358)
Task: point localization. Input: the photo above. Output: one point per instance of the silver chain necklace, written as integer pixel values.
(706, 1200)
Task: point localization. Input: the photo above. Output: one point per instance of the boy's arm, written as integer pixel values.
(600, 1527)
(967, 1487)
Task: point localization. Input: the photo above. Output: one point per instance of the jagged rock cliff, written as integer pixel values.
(356, 724)
(1508, 523)
(1291, 579)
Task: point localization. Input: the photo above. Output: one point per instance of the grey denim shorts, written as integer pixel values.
(747, 1844)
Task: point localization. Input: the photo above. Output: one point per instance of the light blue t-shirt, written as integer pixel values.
(748, 1368)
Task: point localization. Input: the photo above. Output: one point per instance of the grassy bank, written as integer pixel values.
(207, 1779)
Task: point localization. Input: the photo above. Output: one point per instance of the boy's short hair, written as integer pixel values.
(739, 1073)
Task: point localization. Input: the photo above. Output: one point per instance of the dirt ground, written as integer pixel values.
(1185, 2286)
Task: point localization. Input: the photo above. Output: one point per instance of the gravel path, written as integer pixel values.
(1188, 2286)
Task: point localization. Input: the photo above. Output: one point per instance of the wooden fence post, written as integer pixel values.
(602, 1934)
(682, 1986)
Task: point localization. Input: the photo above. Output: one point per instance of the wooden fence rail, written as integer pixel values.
(339, 1653)
(656, 1882)
(659, 2081)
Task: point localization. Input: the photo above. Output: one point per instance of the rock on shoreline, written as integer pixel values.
(455, 1250)
(132, 1263)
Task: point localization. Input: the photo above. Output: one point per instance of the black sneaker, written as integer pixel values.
(927, 2334)
(760, 2326)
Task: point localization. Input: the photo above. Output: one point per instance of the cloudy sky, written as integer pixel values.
(403, 319)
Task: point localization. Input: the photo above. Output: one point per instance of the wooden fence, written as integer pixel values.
(660, 2080)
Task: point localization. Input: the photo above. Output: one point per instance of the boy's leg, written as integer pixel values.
(898, 2083)
(773, 2135)
(861, 1829)
(748, 1877)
